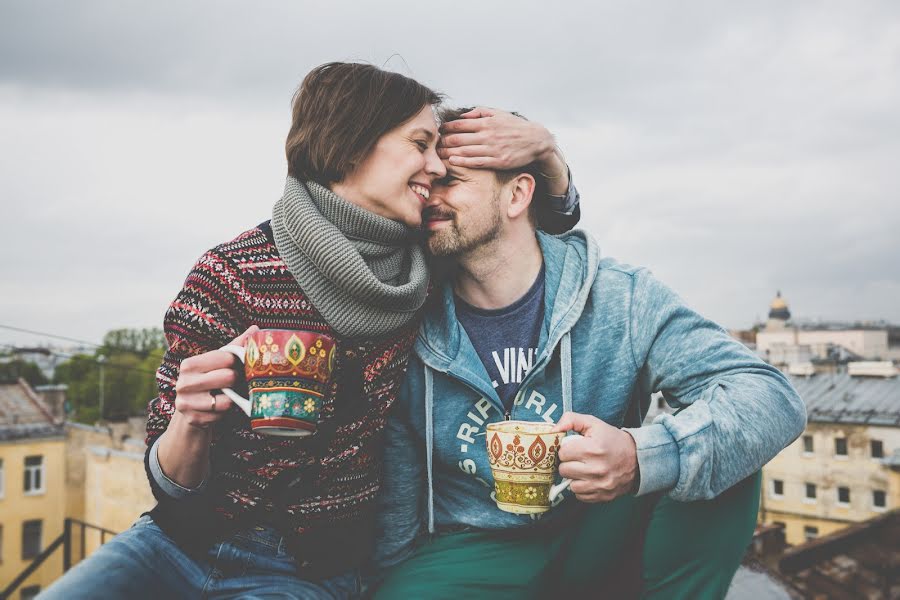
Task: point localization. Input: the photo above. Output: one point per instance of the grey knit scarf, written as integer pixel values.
(364, 273)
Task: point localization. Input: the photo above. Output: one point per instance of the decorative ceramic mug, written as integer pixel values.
(287, 374)
(523, 460)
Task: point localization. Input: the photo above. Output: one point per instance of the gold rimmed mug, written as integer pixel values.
(523, 459)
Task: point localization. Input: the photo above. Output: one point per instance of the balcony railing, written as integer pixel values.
(66, 541)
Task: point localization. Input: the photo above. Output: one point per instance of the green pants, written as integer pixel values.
(649, 547)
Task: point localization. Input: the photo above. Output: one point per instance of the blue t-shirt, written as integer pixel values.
(506, 339)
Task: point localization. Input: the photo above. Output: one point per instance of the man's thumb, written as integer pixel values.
(572, 421)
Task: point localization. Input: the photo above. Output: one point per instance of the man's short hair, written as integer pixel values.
(339, 112)
(541, 185)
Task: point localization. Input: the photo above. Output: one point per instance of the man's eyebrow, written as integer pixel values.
(426, 132)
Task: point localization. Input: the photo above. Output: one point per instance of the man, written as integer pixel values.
(537, 328)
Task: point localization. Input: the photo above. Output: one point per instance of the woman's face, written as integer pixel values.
(395, 179)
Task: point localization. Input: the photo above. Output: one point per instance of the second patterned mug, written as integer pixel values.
(523, 459)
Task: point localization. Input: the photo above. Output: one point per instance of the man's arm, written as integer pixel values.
(737, 412)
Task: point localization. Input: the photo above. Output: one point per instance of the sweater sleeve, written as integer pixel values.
(205, 315)
(735, 411)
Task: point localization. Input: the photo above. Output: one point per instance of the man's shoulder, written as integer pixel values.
(616, 276)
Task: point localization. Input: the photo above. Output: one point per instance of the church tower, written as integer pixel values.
(779, 314)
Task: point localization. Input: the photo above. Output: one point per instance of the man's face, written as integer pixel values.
(463, 211)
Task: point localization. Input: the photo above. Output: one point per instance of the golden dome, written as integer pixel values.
(779, 308)
(778, 302)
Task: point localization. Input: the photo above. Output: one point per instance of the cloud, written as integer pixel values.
(735, 149)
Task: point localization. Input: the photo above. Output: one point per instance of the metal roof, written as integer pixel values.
(840, 398)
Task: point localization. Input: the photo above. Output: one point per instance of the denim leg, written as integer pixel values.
(254, 564)
(141, 562)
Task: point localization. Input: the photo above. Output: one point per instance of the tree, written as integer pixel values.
(129, 363)
(12, 370)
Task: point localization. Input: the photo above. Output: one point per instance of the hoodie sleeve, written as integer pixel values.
(737, 412)
(400, 515)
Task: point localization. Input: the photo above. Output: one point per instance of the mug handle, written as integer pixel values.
(557, 489)
(239, 400)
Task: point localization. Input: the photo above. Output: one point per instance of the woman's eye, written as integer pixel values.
(423, 145)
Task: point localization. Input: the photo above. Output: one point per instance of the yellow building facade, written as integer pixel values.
(32, 488)
(105, 478)
(843, 469)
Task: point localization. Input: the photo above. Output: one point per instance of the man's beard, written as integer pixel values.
(454, 240)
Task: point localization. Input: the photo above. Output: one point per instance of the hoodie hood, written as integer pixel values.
(570, 263)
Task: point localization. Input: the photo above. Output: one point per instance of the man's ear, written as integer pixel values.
(522, 188)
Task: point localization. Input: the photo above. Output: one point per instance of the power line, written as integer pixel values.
(89, 359)
(71, 339)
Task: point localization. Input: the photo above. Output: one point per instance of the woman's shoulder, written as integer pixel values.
(258, 239)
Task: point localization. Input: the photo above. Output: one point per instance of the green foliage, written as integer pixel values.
(138, 341)
(130, 359)
(11, 371)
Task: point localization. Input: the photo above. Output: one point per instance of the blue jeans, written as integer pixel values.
(143, 562)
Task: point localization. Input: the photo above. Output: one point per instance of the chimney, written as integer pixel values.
(54, 396)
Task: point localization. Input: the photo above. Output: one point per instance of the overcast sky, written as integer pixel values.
(734, 148)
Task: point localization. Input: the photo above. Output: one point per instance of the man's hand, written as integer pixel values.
(487, 138)
(602, 462)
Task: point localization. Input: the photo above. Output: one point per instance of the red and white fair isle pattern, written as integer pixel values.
(242, 283)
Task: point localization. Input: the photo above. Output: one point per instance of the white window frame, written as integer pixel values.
(838, 495)
(803, 451)
(880, 508)
(772, 493)
(41, 468)
(806, 498)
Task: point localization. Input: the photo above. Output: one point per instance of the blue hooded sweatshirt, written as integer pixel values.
(612, 335)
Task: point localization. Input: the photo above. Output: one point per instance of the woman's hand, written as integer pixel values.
(184, 447)
(199, 400)
(487, 138)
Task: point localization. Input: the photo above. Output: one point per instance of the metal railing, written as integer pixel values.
(64, 540)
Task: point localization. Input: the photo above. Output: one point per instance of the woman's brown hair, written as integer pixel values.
(340, 111)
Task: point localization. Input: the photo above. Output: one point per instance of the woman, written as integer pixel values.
(243, 514)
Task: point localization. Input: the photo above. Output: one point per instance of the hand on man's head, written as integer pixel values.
(488, 138)
(601, 462)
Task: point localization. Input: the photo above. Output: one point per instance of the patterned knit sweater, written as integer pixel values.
(327, 518)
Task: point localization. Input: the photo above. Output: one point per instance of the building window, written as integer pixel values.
(844, 496)
(810, 532)
(34, 475)
(840, 447)
(777, 488)
(30, 592)
(31, 538)
(1, 544)
(877, 449)
(879, 499)
(807, 444)
(810, 492)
